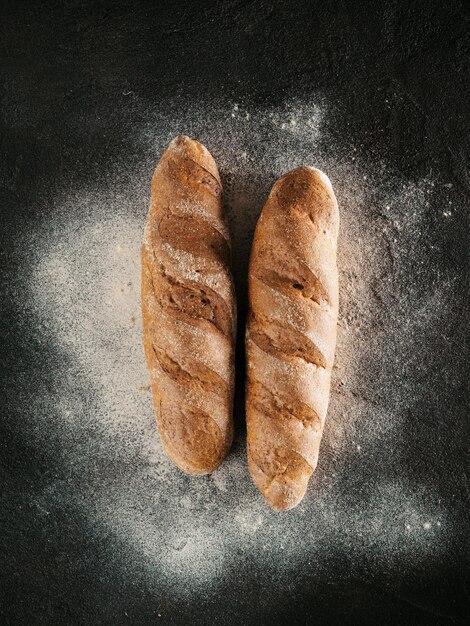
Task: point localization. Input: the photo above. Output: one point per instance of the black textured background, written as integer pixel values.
(65, 66)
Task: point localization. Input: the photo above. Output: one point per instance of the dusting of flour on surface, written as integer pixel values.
(184, 532)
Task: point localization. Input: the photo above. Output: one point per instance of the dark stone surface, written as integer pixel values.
(64, 68)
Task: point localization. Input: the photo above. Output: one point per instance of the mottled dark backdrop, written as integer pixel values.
(65, 122)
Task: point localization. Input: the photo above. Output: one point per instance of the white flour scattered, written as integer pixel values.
(85, 289)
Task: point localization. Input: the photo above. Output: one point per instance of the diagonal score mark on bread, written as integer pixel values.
(267, 402)
(193, 374)
(306, 284)
(191, 300)
(291, 333)
(188, 308)
(284, 341)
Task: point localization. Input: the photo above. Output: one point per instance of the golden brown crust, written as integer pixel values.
(291, 333)
(188, 308)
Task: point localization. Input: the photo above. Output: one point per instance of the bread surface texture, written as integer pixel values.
(188, 308)
(291, 333)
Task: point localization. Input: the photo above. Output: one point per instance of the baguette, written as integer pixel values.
(188, 308)
(291, 333)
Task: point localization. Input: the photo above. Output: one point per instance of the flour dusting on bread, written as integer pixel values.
(179, 535)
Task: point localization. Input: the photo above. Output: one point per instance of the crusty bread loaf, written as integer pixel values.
(188, 308)
(291, 333)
